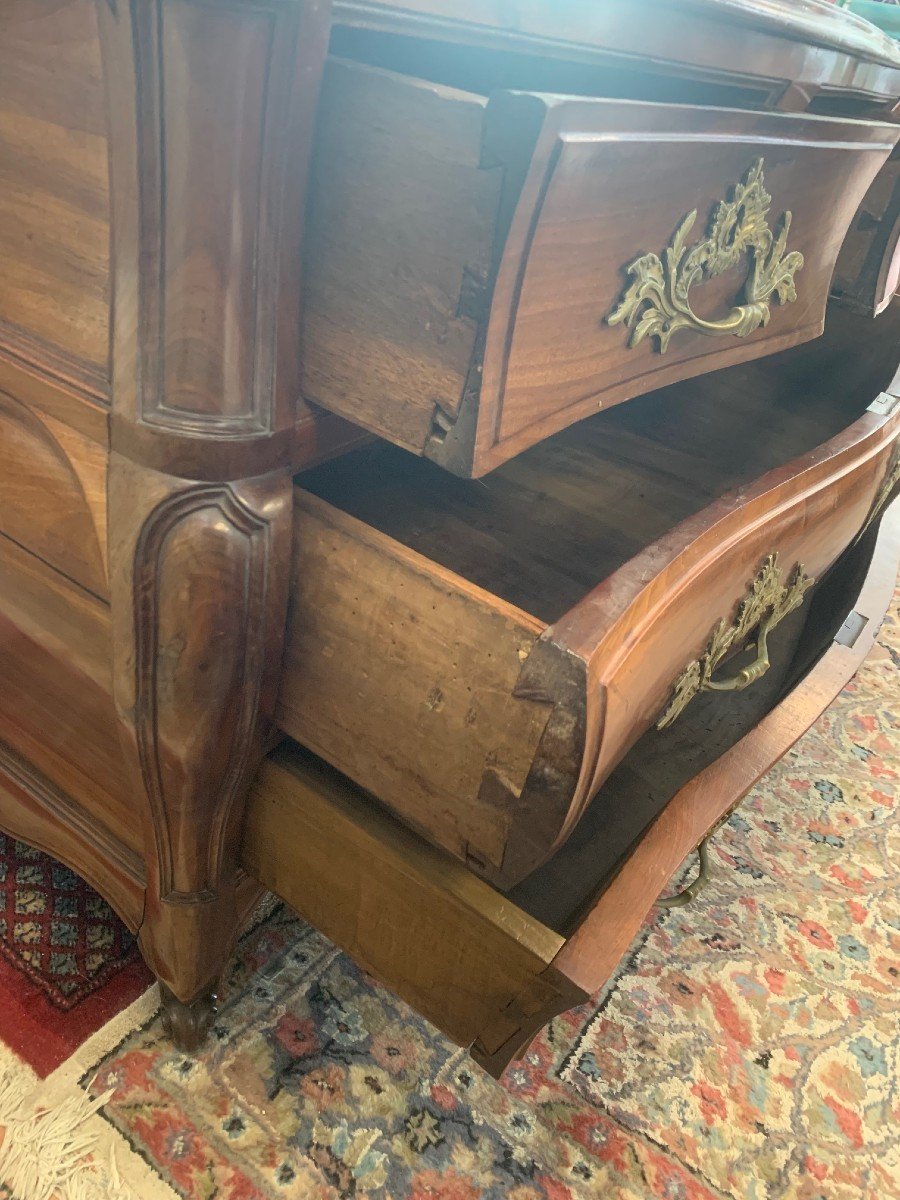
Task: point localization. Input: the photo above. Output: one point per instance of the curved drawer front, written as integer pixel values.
(483, 273)
(53, 493)
(715, 584)
(653, 243)
(489, 969)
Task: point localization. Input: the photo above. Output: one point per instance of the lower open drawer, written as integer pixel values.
(490, 969)
(481, 655)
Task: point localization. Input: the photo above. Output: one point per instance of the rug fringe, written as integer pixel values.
(47, 1154)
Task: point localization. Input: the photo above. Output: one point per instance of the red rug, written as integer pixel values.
(67, 963)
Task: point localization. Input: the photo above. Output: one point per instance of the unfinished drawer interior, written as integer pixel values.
(484, 272)
(480, 655)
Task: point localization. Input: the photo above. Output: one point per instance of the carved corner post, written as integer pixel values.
(211, 109)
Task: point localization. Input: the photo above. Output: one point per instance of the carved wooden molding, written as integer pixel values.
(199, 598)
(211, 109)
(209, 676)
(53, 364)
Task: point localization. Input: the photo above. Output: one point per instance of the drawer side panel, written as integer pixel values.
(401, 674)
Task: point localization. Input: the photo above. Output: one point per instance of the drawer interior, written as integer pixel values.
(489, 969)
(455, 647)
(541, 530)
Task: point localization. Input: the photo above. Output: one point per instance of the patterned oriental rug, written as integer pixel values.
(67, 963)
(748, 1048)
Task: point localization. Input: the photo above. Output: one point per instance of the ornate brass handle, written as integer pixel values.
(657, 302)
(768, 602)
(756, 669)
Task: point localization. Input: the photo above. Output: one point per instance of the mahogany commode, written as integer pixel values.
(257, 337)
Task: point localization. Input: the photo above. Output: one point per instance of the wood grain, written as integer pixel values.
(592, 953)
(33, 810)
(607, 177)
(54, 195)
(210, 114)
(481, 968)
(56, 705)
(459, 652)
(53, 493)
(162, 352)
(401, 220)
(420, 922)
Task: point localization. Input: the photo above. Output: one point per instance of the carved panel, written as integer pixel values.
(199, 595)
(211, 108)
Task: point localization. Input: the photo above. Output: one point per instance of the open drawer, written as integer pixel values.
(489, 970)
(481, 274)
(480, 655)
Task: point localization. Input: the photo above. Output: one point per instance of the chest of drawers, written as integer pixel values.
(443, 460)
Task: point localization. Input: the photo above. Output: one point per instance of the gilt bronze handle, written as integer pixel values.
(767, 603)
(755, 670)
(657, 302)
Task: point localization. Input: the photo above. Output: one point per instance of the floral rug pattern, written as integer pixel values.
(747, 1049)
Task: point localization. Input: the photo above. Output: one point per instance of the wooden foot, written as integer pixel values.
(187, 1024)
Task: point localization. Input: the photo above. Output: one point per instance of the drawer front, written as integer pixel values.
(56, 706)
(53, 493)
(652, 243)
(487, 969)
(54, 199)
(719, 580)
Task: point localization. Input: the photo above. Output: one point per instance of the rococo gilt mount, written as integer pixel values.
(657, 303)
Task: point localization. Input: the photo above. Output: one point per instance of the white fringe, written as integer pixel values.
(46, 1152)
